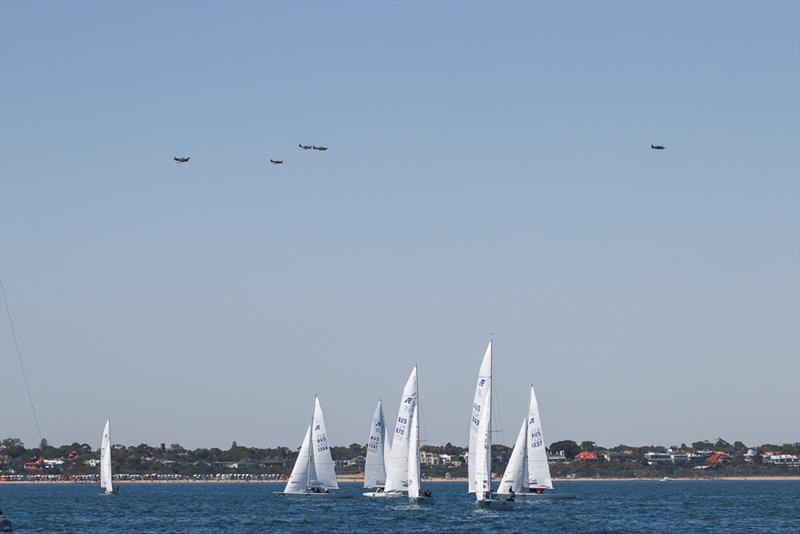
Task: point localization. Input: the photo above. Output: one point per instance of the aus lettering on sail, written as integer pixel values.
(374, 442)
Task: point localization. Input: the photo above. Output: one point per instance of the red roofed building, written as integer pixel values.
(586, 455)
(718, 458)
(34, 465)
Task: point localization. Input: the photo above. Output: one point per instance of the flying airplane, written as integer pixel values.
(657, 147)
(320, 148)
(306, 147)
(182, 160)
(276, 161)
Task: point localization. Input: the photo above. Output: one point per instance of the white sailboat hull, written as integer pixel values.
(421, 500)
(384, 494)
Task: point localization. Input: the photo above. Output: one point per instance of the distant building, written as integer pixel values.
(353, 463)
(556, 457)
(586, 456)
(224, 465)
(429, 458)
(718, 458)
(750, 456)
(784, 459)
(686, 458)
(655, 458)
(619, 456)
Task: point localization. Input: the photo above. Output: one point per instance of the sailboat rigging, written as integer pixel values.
(528, 473)
(105, 460)
(313, 472)
(480, 445)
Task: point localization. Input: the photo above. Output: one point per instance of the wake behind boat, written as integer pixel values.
(533, 496)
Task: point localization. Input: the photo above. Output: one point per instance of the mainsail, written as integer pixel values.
(105, 459)
(413, 456)
(326, 475)
(482, 459)
(375, 467)
(303, 467)
(538, 470)
(397, 469)
(481, 398)
(516, 476)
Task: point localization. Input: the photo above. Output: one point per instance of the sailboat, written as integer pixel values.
(105, 460)
(313, 472)
(377, 454)
(480, 440)
(397, 466)
(527, 472)
(414, 494)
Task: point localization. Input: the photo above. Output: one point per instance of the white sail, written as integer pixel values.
(397, 468)
(303, 466)
(375, 466)
(516, 474)
(538, 470)
(413, 456)
(480, 399)
(483, 448)
(387, 449)
(325, 475)
(105, 459)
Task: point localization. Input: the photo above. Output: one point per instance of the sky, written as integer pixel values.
(489, 172)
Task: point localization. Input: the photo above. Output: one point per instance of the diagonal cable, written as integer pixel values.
(19, 357)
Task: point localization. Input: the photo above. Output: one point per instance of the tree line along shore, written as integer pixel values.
(568, 460)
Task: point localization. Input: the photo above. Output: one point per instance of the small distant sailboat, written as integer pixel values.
(377, 454)
(313, 473)
(528, 473)
(480, 442)
(397, 466)
(105, 460)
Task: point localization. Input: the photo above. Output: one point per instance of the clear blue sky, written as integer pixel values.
(489, 171)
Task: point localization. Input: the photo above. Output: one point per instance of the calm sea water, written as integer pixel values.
(642, 506)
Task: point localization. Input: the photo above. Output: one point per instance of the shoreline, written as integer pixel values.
(433, 480)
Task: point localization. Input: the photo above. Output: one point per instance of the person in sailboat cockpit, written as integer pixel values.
(511, 495)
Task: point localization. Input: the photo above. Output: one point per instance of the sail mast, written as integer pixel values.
(489, 415)
(311, 446)
(479, 407)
